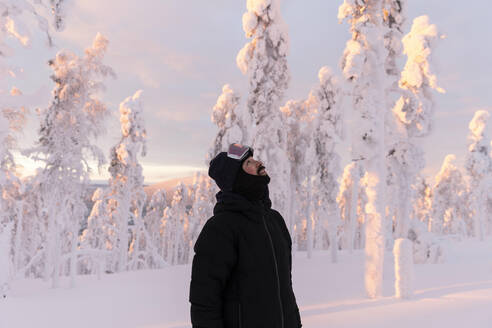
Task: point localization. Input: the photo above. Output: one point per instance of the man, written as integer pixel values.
(241, 272)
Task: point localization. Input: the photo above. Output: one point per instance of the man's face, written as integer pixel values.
(253, 167)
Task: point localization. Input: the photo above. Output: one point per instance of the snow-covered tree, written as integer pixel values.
(29, 231)
(126, 196)
(411, 120)
(405, 160)
(59, 11)
(14, 14)
(298, 125)
(394, 19)
(415, 108)
(232, 123)
(363, 66)
(313, 127)
(203, 200)
(449, 195)
(352, 204)
(175, 218)
(68, 126)
(153, 216)
(328, 132)
(264, 60)
(426, 246)
(6, 265)
(12, 19)
(489, 210)
(99, 237)
(479, 168)
(422, 204)
(12, 120)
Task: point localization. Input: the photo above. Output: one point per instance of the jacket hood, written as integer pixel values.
(223, 170)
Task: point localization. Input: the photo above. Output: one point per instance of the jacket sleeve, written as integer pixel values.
(290, 269)
(214, 260)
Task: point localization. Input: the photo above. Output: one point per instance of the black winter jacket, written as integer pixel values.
(241, 272)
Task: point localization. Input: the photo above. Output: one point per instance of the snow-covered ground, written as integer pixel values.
(457, 293)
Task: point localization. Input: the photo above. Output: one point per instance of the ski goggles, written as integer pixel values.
(239, 152)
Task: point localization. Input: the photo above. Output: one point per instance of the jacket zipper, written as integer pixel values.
(276, 273)
(239, 315)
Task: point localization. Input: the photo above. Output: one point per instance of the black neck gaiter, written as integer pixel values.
(253, 187)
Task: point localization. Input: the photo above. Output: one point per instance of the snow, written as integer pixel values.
(40, 224)
(258, 6)
(453, 294)
(244, 56)
(417, 46)
(250, 21)
(478, 124)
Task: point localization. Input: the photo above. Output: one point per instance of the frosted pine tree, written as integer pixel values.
(449, 200)
(202, 207)
(264, 61)
(13, 19)
(12, 121)
(363, 66)
(126, 195)
(426, 246)
(175, 218)
(309, 148)
(393, 18)
(264, 58)
(422, 202)
(153, 217)
(99, 238)
(59, 11)
(300, 118)
(489, 210)
(415, 108)
(413, 116)
(6, 265)
(14, 14)
(405, 160)
(296, 118)
(351, 204)
(68, 125)
(328, 132)
(232, 123)
(479, 168)
(29, 231)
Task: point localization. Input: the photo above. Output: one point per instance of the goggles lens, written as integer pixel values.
(237, 151)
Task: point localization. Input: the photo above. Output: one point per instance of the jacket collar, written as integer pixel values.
(228, 201)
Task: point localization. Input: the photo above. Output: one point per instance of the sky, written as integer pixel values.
(181, 53)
